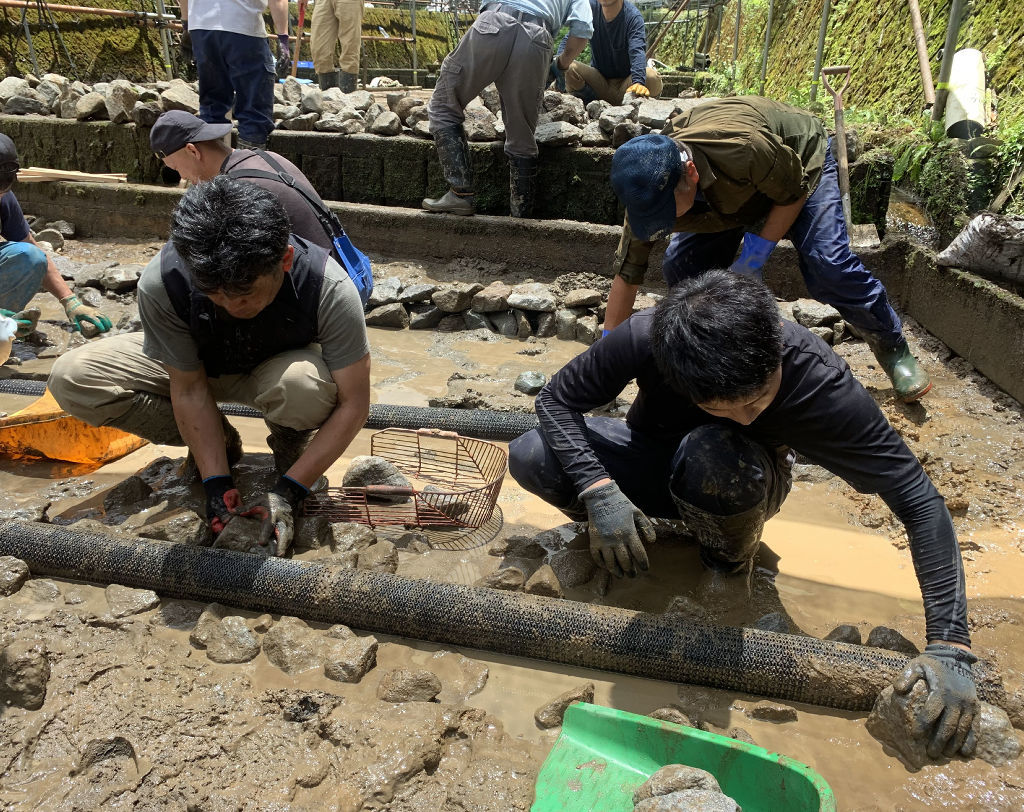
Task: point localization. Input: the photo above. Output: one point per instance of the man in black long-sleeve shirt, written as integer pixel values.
(727, 393)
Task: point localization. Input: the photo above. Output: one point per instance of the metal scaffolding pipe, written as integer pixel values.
(956, 14)
(826, 9)
(922, 52)
(767, 41)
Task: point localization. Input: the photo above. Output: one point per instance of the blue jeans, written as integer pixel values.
(22, 267)
(235, 70)
(832, 272)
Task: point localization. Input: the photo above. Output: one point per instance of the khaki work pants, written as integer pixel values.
(610, 90)
(96, 383)
(336, 21)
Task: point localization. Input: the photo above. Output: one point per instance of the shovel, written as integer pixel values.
(861, 235)
(602, 755)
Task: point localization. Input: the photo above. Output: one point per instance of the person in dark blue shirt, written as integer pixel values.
(25, 267)
(618, 62)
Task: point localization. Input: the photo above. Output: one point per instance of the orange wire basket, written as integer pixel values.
(455, 483)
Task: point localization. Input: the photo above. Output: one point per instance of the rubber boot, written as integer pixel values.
(908, 379)
(348, 82)
(454, 158)
(522, 182)
(288, 445)
(328, 80)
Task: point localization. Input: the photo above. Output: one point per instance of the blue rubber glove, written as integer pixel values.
(952, 701)
(754, 255)
(556, 75)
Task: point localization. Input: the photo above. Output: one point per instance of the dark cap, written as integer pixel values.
(645, 171)
(8, 155)
(176, 128)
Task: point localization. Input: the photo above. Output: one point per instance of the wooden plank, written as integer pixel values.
(38, 174)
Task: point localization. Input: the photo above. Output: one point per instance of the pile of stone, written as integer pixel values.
(821, 319)
(515, 311)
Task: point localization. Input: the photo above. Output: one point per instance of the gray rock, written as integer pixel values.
(546, 327)
(204, 625)
(840, 332)
(352, 536)
(583, 297)
(811, 313)
(13, 574)
(493, 298)
(387, 123)
(359, 99)
(182, 526)
(305, 122)
(403, 685)
(456, 298)
(230, 640)
(394, 316)
(379, 557)
(292, 646)
(121, 278)
(532, 296)
(689, 800)
(241, 534)
(475, 321)
(572, 567)
(312, 99)
(50, 93)
(367, 470)
(127, 492)
(587, 330)
(558, 134)
(523, 327)
(884, 637)
(180, 96)
(507, 578)
(772, 622)
(385, 291)
(611, 117)
(420, 292)
(550, 715)
(425, 317)
(145, 114)
(120, 100)
(24, 672)
(291, 90)
(479, 124)
(624, 132)
(565, 325)
(530, 383)
(845, 634)
(67, 105)
(52, 236)
(490, 98)
(544, 582)
(27, 103)
(824, 333)
(343, 123)
(405, 108)
(312, 532)
(569, 109)
(12, 86)
(594, 136)
(675, 778)
(655, 113)
(283, 112)
(894, 716)
(673, 715)
(595, 108)
(504, 323)
(395, 97)
(766, 711)
(124, 601)
(740, 735)
(421, 129)
(349, 658)
(91, 106)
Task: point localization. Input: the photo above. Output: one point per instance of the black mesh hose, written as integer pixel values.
(666, 647)
(480, 423)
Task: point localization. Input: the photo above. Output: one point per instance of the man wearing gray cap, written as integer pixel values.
(25, 267)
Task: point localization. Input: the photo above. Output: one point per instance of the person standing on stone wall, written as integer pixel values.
(510, 44)
(25, 267)
(336, 22)
(618, 63)
(235, 65)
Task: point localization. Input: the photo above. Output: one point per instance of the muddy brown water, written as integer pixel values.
(204, 735)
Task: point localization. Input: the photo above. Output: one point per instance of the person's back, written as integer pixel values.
(238, 16)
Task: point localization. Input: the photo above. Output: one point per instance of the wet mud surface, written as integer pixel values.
(138, 716)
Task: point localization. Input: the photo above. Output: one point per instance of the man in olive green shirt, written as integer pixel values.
(753, 170)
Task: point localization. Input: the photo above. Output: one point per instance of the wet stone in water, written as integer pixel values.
(124, 601)
(884, 637)
(24, 672)
(530, 383)
(231, 641)
(312, 533)
(673, 715)
(771, 712)
(352, 536)
(125, 494)
(544, 582)
(772, 622)
(366, 470)
(508, 578)
(740, 735)
(292, 646)
(674, 778)
(181, 527)
(13, 573)
(550, 715)
(402, 685)
(348, 660)
(241, 534)
(379, 557)
(572, 567)
(846, 633)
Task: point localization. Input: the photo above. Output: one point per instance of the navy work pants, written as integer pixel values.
(832, 272)
(722, 484)
(235, 71)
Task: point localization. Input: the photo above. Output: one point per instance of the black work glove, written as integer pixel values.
(952, 703)
(277, 509)
(556, 75)
(185, 42)
(223, 500)
(284, 57)
(618, 530)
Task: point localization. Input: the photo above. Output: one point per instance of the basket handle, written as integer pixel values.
(450, 435)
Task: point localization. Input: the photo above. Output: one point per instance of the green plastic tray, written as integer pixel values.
(602, 755)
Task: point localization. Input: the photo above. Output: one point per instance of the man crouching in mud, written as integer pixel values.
(728, 393)
(234, 308)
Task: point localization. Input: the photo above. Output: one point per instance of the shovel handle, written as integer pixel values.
(836, 70)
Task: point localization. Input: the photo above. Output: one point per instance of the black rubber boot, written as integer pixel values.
(454, 158)
(522, 185)
(348, 82)
(908, 379)
(328, 80)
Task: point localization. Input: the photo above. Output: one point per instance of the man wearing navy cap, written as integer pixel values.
(25, 267)
(753, 170)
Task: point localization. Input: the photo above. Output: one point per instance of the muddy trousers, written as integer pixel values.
(721, 484)
(832, 272)
(98, 382)
(589, 84)
(512, 53)
(334, 22)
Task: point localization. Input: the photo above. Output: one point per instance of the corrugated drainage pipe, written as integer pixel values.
(480, 423)
(801, 669)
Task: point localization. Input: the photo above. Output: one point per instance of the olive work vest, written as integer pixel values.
(230, 346)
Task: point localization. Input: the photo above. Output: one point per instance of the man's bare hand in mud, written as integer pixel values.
(618, 530)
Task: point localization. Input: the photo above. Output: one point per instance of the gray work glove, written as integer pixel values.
(952, 703)
(278, 509)
(618, 530)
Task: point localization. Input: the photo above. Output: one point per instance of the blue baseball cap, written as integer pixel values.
(645, 171)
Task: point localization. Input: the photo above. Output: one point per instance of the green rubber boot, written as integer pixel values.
(908, 379)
